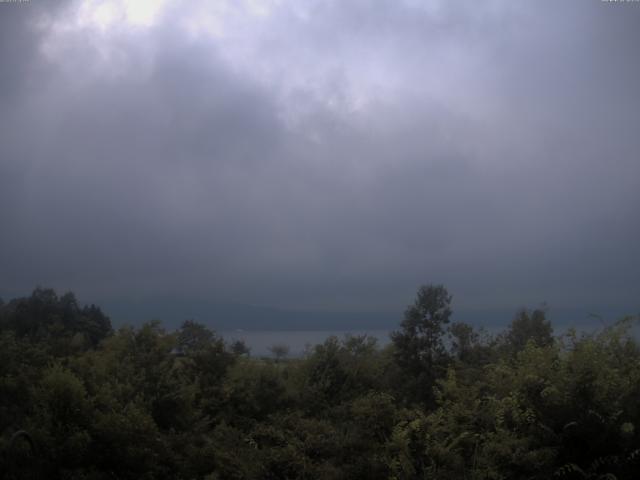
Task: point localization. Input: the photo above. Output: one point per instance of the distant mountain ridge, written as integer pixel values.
(230, 316)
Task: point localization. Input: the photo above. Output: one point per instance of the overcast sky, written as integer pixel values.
(322, 154)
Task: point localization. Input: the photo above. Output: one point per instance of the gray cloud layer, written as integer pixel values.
(323, 154)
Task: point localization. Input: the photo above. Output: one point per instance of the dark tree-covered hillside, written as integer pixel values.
(79, 400)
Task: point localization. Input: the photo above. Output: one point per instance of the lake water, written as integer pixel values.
(297, 340)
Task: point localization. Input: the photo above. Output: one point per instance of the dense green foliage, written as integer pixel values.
(442, 401)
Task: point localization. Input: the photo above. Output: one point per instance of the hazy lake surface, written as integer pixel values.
(300, 340)
(297, 340)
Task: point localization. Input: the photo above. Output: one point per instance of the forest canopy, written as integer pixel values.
(442, 400)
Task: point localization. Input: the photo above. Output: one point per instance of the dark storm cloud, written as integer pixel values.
(324, 154)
